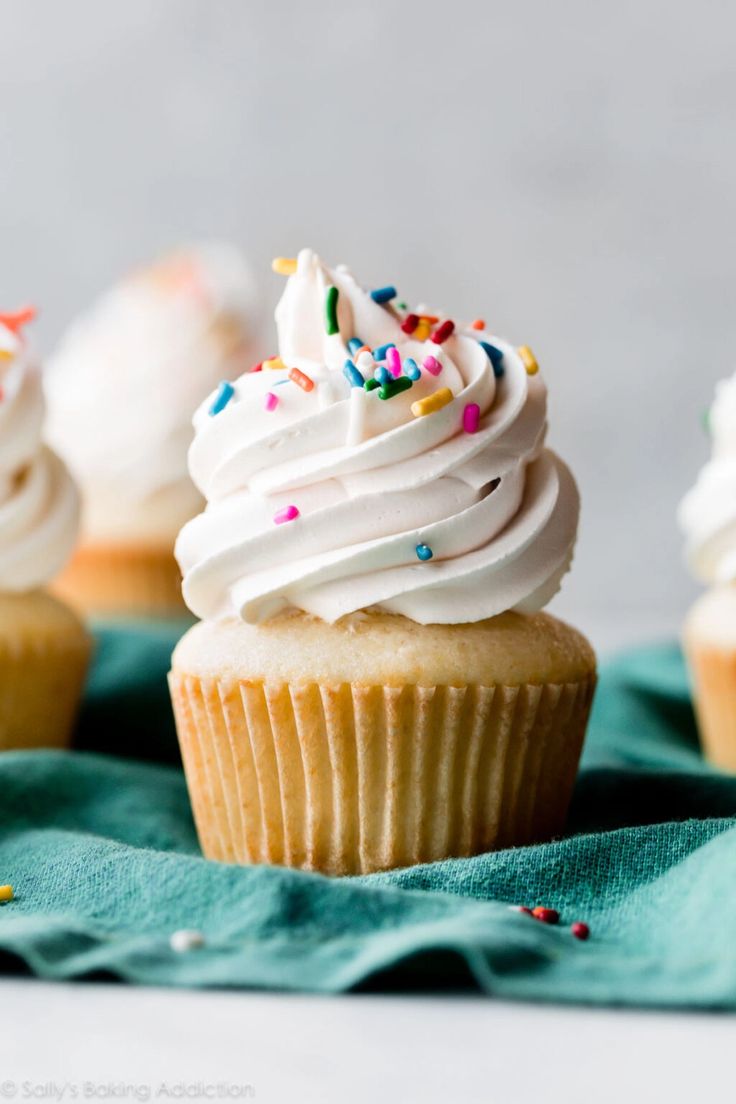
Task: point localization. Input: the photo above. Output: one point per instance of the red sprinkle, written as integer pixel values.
(301, 380)
(257, 367)
(14, 320)
(410, 323)
(524, 909)
(546, 915)
(580, 930)
(443, 332)
(478, 324)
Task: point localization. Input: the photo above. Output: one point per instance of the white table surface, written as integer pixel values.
(104, 1041)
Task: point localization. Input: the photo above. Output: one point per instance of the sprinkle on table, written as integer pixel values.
(471, 418)
(478, 324)
(412, 369)
(6, 893)
(285, 266)
(580, 929)
(15, 320)
(495, 356)
(286, 513)
(528, 360)
(222, 398)
(394, 387)
(301, 379)
(432, 403)
(410, 323)
(443, 331)
(432, 365)
(546, 915)
(186, 939)
(331, 297)
(424, 552)
(274, 363)
(383, 294)
(270, 401)
(352, 375)
(393, 361)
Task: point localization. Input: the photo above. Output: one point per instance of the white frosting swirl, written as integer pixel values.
(126, 378)
(372, 482)
(39, 504)
(707, 513)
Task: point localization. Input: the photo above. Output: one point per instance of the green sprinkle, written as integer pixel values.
(331, 311)
(401, 306)
(705, 421)
(394, 387)
(371, 384)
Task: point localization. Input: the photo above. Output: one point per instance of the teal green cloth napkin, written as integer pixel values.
(100, 848)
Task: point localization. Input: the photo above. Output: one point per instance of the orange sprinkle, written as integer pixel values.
(433, 319)
(301, 380)
(478, 324)
(15, 319)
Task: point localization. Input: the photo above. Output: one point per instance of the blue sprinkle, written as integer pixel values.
(495, 356)
(382, 374)
(384, 294)
(424, 552)
(412, 369)
(222, 397)
(352, 375)
(380, 352)
(354, 344)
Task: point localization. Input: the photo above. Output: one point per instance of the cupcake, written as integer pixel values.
(121, 391)
(707, 516)
(372, 684)
(44, 649)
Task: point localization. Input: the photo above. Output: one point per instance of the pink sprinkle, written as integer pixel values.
(393, 362)
(271, 401)
(432, 365)
(471, 418)
(286, 513)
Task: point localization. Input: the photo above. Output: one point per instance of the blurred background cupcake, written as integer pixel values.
(44, 649)
(708, 517)
(121, 390)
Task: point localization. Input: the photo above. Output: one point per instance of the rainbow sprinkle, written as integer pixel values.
(394, 387)
(14, 320)
(432, 365)
(384, 294)
(331, 297)
(423, 330)
(528, 360)
(393, 361)
(379, 353)
(275, 363)
(355, 345)
(471, 418)
(432, 403)
(371, 384)
(352, 375)
(424, 552)
(222, 398)
(495, 356)
(443, 332)
(286, 513)
(478, 324)
(285, 266)
(410, 323)
(382, 374)
(301, 379)
(270, 401)
(412, 369)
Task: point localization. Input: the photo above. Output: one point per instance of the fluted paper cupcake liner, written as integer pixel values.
(138, 581)
(349, 779)
(40, 688)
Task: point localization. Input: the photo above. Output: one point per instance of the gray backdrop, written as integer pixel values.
(565, 169)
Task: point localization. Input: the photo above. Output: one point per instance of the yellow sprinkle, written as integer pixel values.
(6, 354)
(528, 359)
(285, 266)
(6, 893)
(432, 402)
(422, 331)
(274, 362)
